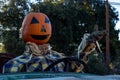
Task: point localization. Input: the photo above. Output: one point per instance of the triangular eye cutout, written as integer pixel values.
(47, 20)
(43, 29)
(34, 20)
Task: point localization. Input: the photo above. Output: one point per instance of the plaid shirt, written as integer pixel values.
(29, 63)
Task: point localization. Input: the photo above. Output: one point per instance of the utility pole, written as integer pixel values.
(107, 36)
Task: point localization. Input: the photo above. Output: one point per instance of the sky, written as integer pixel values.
(117, 9)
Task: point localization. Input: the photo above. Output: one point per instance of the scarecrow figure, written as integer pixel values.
(38, 55)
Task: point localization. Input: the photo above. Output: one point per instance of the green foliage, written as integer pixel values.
(96, 66)
(11, 17)
(13, 44)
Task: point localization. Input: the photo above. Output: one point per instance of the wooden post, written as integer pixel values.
(107, 36)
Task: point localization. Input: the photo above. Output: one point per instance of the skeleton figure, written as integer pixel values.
(88, 44)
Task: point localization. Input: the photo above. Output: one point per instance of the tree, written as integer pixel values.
(11, 17)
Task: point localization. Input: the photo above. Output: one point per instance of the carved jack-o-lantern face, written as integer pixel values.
(36, 28)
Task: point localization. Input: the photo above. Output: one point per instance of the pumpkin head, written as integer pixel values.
(36, 28)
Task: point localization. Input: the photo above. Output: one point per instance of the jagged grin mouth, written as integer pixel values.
(39, 37)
